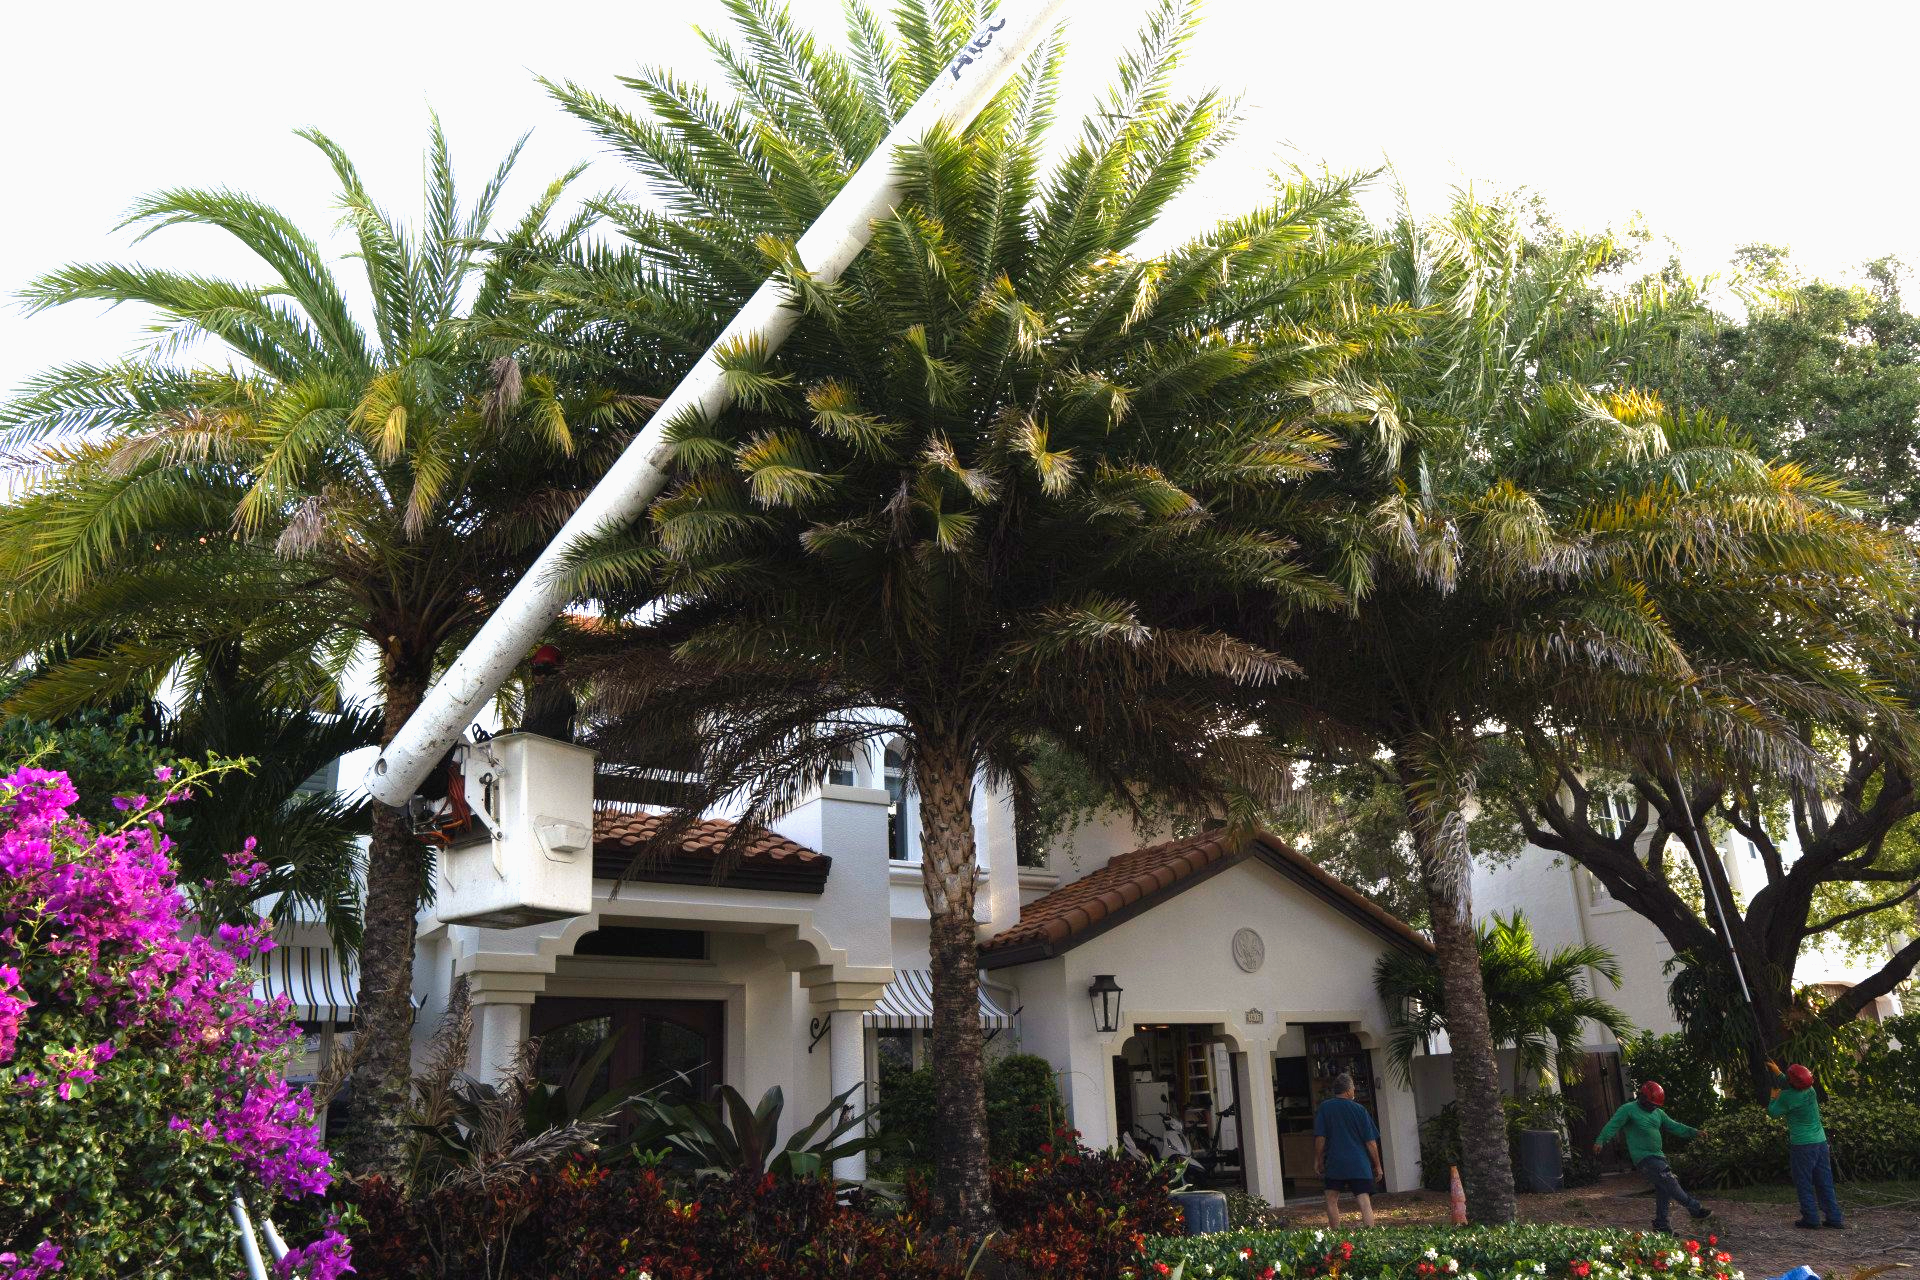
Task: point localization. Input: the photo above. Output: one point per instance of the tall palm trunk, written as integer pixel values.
(1436, 816)
(383, 1021)
(949, 877)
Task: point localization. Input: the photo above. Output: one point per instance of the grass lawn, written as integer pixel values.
(1866, 1195)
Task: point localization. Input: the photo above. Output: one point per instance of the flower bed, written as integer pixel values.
(1524, 1252)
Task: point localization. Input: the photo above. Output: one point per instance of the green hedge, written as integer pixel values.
(1871, 1140)
(1524, 1252)
(1023, 1110)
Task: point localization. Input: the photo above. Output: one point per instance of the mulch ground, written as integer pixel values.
(1761, 1237)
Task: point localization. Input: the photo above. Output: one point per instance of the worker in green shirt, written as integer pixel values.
(1808, 1155)
(1645, 1124)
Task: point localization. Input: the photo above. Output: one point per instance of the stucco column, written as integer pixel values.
(994, 815)
(499, 1029)
(847, 1064)
(1260, 1140)
(1399, 1129)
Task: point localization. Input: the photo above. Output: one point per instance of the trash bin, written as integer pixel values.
(1205, 1211)
(1539, 1160)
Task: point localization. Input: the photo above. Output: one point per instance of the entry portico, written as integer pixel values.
(1246, 945)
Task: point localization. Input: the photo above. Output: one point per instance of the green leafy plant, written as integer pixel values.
(1538, 1003)
(1023, 1110)
(727, 1138)
(1689, 1076)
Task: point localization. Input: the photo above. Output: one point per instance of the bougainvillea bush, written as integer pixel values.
(141, 1085)
(1531, 1251)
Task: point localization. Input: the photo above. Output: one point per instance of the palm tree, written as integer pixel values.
(1547, 549)
(1537, 1005)
(973, 499)
(312, 490)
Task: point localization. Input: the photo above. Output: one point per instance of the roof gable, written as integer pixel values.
(1136, 882)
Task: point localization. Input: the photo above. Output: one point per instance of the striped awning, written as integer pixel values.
(321, 988)
(907, 1003)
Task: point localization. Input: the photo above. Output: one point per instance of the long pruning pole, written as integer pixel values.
(957, 94)
(1698, 854)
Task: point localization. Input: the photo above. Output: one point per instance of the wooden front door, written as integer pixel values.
(670, 1044)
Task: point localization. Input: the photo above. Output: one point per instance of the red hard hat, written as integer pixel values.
(546, 656)
(1799, 1077)
(1652, 1092)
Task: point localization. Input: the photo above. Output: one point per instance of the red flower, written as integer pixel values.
(1267, 1274)
(1723, 1257)
(1581, 1268)
(1046, 1148)
(1693, 1246)
(1346, 1248)
(1713, 1239)
(1163, 1268)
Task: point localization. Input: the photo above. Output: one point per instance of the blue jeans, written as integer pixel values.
(1812, 1165)
(1666, 1190)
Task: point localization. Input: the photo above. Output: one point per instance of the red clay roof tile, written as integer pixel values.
(619, 834)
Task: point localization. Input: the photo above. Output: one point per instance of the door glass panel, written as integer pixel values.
(565, 1048)
(677, 1058)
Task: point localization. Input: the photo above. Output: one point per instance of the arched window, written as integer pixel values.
(841, 772)
(895, 770)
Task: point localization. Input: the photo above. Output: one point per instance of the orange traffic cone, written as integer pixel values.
(1457, 1194)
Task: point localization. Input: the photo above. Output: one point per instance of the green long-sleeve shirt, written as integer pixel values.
(1643, 1127)
(1801, 1110)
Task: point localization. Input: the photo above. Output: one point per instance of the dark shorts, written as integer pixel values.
(1352, 1186)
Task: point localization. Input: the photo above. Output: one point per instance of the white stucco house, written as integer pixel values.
(1245, 972)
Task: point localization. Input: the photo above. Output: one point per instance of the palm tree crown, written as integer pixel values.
(976, 496)
(315, 489)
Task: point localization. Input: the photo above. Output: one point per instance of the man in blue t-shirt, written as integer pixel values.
(1346, 1151)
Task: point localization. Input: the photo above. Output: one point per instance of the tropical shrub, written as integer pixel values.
(1023, 1109)
(1440, 1148)
(1871, 1139)
(1073, 1212)
(143, 1084)
(1247, 1212)
(1523, 1252)
(583, 1222)
(1688, 1075)
(1862, 1058)
(726, 1138)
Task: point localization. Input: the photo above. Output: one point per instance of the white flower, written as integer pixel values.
(1539, 1268)
(1695, 1260)
(1432, 1252)
(1453, 1264)
(1606, 1248)
(1318, 1236)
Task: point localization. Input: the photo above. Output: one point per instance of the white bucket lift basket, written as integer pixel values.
(530, 857)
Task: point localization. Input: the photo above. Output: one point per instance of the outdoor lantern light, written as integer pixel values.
(1105, 994)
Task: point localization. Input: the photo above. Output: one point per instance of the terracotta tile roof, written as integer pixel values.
(770, 861)
(1140, 880)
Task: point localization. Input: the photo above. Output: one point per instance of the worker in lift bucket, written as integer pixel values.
(1646, 1127)
(550, 704)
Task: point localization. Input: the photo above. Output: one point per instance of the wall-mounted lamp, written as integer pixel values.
(1105, 995)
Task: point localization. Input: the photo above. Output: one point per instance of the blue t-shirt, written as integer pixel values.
(1348, 1129)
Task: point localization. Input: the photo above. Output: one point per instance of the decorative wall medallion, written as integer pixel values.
(1249, 952)
(1255, 1017)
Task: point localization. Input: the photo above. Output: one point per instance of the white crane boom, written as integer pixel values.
(970, 80)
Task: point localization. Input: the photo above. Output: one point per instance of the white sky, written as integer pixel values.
(1722, 123)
